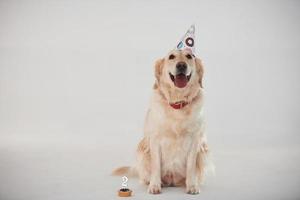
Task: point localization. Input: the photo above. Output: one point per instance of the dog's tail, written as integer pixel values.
(126, 170)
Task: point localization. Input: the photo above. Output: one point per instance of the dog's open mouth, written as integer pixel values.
(180, 80)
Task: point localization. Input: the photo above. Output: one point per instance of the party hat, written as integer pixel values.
(188, 41)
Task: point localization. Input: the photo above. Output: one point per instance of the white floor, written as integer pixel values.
(74, 168)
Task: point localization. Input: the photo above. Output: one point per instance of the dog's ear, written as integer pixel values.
(199, 70)
(158, 71)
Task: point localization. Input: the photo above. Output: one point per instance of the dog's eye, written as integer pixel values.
(188, 56)
(171, 57)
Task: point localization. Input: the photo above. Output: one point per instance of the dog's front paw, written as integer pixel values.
(193, 189)
(154, 188)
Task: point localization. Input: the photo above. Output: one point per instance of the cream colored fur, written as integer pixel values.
(174, 148)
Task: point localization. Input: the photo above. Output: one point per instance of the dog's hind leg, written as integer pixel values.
(143, 161)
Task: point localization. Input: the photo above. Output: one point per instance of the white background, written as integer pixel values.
(75, 82)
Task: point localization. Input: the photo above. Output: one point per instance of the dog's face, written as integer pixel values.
(179, 69)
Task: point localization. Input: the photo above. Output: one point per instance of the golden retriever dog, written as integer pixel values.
(174, 149)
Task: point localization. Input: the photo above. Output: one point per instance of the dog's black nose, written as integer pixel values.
(181, 67)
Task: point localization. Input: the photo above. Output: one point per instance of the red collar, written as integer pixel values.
(179, 105)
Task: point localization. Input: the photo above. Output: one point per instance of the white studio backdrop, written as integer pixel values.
(76, 78)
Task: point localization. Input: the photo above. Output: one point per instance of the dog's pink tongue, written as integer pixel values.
(180, 80)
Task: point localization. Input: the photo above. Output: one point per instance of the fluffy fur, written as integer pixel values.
(174, 148)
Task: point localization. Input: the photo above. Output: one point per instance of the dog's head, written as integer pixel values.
(179, 69)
